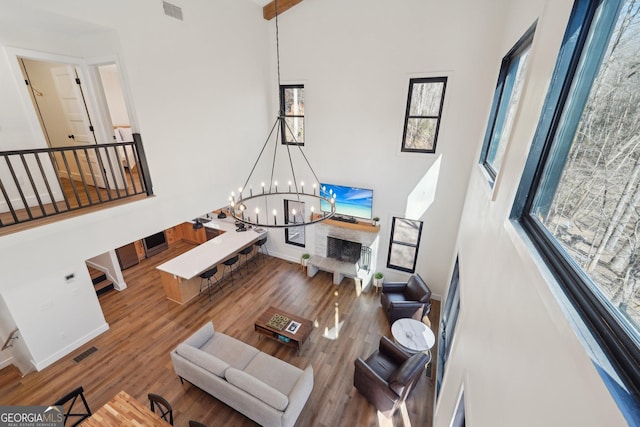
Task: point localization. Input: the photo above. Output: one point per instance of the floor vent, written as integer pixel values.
(172, 10)
(84, 354)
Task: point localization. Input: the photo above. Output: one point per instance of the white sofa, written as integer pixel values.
(268, 390)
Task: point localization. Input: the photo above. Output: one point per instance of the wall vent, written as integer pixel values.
(172, 10)
(84, 354)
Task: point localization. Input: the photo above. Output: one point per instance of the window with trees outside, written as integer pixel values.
(404, 244)
(294, 215)
(505, 103)
(424, 110)
(292, 109)
(579, 197)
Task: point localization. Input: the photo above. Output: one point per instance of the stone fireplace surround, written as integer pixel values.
(367, 238)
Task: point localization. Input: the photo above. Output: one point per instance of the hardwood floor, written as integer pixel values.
(133, 355)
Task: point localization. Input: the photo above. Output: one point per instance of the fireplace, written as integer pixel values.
(343, 250)
(154, 244)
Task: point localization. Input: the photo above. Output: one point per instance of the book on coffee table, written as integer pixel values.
(293, 327)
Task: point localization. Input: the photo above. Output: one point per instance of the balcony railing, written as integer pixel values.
(44, 182)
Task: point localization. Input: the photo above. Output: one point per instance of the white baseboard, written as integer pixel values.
(6, 362)
(71, 347)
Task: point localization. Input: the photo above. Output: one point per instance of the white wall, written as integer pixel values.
(194, 93)
(514, 351)
(355, 61)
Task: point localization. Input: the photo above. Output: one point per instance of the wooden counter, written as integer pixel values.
(180, 276)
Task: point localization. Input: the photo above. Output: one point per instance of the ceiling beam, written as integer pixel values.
(269, 11)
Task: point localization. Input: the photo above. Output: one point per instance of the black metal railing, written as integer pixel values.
(43, 182)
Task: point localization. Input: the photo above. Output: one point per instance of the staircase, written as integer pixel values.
(100, 282)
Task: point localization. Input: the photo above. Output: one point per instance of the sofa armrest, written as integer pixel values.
(298, 397)
(201, 336)
(402, 380)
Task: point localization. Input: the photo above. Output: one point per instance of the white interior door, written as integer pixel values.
(80, 128)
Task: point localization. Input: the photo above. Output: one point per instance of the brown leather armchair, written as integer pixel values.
(387, 376)
(405, 299)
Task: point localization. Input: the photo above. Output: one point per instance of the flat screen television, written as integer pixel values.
(350, 201)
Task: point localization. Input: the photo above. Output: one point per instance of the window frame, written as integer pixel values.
(399, 242)
(502, 100)
(597, 326)
(407, 116)
(448, 323)
(283, 127)
(287, 239)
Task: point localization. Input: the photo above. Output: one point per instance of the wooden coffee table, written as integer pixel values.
(284, 336)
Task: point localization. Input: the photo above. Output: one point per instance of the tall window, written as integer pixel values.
(404, 244)
(424, 110)
(448, 323)
(579, 198)
(294, 214)
(505, 103)
(292, 107)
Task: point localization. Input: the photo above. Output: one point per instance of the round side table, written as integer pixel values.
(413, 335)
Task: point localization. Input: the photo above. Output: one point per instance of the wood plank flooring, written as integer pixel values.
(133, 355)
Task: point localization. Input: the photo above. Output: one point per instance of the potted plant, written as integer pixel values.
(304, 259)
(378, 278)
(375, 220)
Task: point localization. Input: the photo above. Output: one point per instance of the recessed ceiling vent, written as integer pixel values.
(172, 10)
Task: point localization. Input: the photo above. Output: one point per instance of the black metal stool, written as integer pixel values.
(229, 263)
(208, 275)
(260, 244)
(246, 251)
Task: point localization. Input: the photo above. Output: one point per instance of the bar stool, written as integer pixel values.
(246, 251)
(229, 263)
(261, 247)
(207, 275)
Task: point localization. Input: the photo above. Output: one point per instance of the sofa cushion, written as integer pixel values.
(257, 388)
(236, 353)
(203, 359)
(274, 372)
(201, 336)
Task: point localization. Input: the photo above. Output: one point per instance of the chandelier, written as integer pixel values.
(257, 204)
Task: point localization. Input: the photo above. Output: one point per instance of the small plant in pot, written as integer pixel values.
(305, 259)
(376, 220)
(378, 278)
